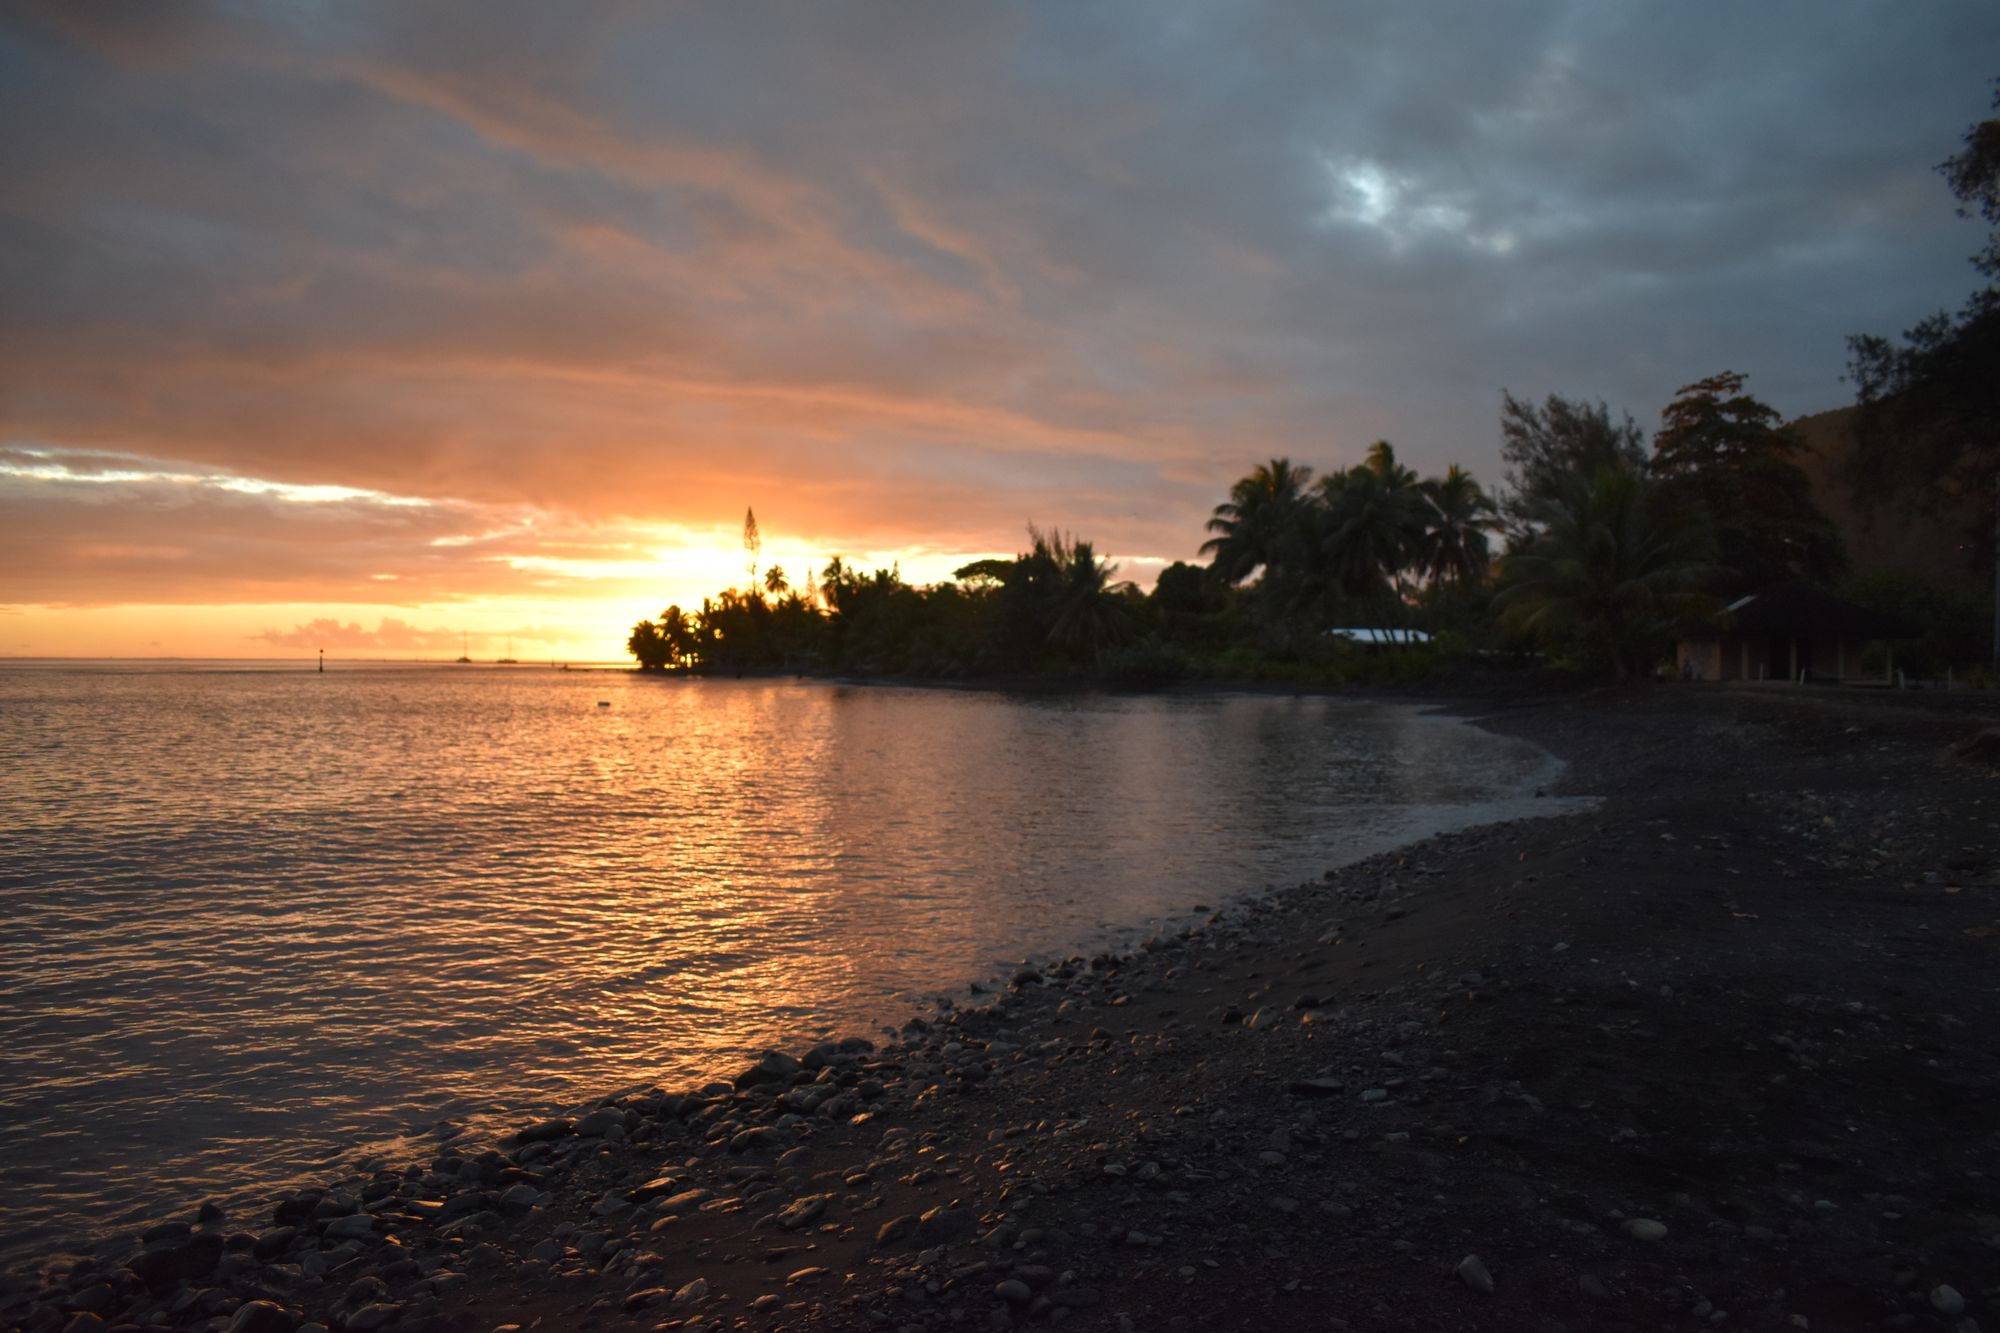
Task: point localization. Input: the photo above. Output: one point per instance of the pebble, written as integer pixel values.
(1946, 1300)
(692, 1293)
(1645, 1228)
(1473, 1274)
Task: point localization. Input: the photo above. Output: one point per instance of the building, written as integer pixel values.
(1791, 632)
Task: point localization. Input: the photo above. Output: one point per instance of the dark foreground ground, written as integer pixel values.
(1724, 1052)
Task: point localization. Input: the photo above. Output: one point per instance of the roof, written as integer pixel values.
(1381, 636)
(1799, 610)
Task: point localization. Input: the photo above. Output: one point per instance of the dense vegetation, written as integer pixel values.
(1608, 546)
(1607, 543)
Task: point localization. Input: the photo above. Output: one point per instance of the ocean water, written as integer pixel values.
(258, 922)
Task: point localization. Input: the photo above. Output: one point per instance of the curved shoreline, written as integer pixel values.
(395, 1116)
(1087, 1144)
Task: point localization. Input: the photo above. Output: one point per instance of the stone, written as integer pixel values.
(353, 1227)
(262, 1317)
(546, 1130)
(1315, 1087)
(1013, 1291)
(1473, 1274)
(943, 1224)
(805, 1275)
(1593, 1286)
(165, 1265)
(693, 1293)
(682, 1202)
(803, 1211)
(370, 1317)
(1946, 1300)
(771, 1067)
(1645, 1228)
(599, 1123)
(895, 1229)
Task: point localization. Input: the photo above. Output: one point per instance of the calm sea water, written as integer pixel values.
(261, 922)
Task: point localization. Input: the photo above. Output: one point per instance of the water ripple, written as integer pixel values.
(259, 922)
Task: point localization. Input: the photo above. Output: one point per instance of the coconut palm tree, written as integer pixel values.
(1263, 524)
(1089, 616)
(1374, 523)
(1454, 548)
(1611, 570)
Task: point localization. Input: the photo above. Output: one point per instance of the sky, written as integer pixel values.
(398, 328)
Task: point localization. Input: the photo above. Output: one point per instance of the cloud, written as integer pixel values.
(388, 636)
(899, 276)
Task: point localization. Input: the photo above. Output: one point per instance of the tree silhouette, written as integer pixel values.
(1611, 571)
(1454, 546)
(1264, 523)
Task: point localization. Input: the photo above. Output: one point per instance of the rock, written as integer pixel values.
(546, 1130)
(805, 1275)
(639, 1300)
(165, 1265)
(370, 1317)
(943, 1224)
(353, 1227)
(1315, 1087)
(693, 1293)
(83, 1321)
(165, 1232)
(599, 1123)
(1473, 1274)
(1263, 1019)
(1013, 1291)
(262, 1317)
(682, 1202)
(1946, 1300)
(895, 1229)
(803, 1211)
(273, 1243)
(547, 1251)
(1593, 1287)
(1645, 1228)
(520, 1198)
(771, 1067)
(1374, 1094)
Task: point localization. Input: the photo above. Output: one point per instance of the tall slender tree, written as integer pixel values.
(1264, 524)
(1454, 547)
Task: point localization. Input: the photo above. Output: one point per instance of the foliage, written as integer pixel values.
(1545, 447)
(1611, 571)
(1953, 619)
(1724, 454)
(1929, 419)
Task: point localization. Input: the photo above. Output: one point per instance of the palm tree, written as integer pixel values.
(1374, 517)
(774, 581)
(1611, 570)
(1262, 523)
(1088, 615)
(1454, 548)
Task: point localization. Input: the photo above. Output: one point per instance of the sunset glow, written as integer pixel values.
(352, 328)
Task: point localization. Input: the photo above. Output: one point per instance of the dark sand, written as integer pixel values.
(1754, 998)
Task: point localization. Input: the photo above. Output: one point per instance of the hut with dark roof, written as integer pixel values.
(1791, 632)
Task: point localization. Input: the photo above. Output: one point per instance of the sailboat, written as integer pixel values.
(465, 649)
(508, 660)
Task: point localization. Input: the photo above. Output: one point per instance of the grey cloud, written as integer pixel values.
(1085, 260)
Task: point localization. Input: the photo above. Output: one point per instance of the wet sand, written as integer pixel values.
(1720, 1052)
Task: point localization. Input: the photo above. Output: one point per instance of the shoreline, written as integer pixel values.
(456, 1127)
(1096, 1143)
